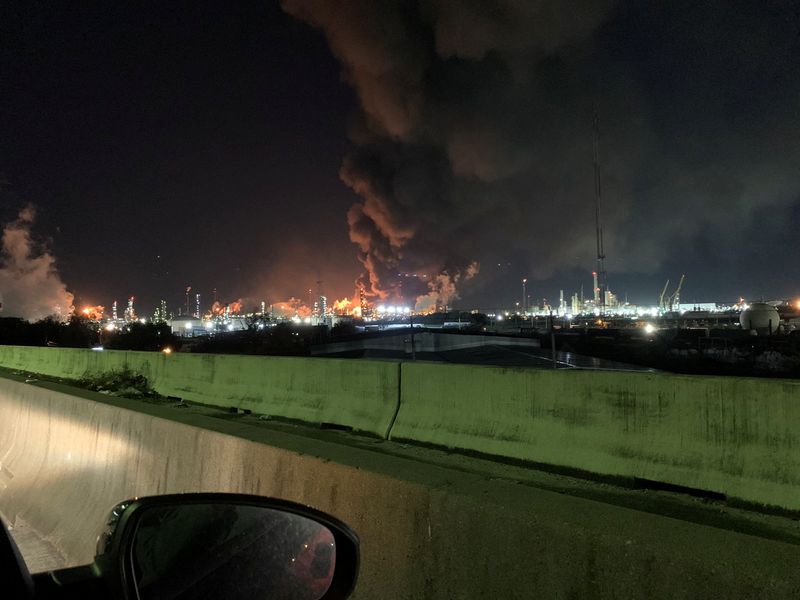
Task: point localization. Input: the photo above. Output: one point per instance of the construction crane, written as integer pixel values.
(675, 298)
(661, 303)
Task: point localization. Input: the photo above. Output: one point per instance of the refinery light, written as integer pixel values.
(649, 328)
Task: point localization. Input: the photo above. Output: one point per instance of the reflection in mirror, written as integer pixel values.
(231, 551)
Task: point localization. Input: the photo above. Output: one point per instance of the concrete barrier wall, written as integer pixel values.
(72, 363)
(735, 436)
(426, 532)
(358, 394)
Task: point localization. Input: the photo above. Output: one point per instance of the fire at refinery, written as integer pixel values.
(293, 307)
(219, 309)
(414, 294)
(343, 306)
(93, 313)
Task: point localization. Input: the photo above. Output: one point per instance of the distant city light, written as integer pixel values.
(167, 350)
(97, 348)
(649, 328)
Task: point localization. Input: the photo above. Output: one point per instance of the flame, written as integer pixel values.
(343, 306)
(94, 313)
(350, 307)
(218, 308)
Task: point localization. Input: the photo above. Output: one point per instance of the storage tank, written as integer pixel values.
(761, 317)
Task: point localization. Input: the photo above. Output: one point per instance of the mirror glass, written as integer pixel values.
(230, 551)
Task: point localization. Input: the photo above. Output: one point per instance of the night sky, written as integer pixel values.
(243, 147)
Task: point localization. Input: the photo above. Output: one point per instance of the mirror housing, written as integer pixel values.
(114, 562)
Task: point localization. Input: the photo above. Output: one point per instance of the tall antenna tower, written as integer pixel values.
(601, 254)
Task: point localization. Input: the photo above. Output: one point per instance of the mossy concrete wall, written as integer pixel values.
(362, 395)
(735, 436)
(426, 531)
(72, 363)
(358, 394)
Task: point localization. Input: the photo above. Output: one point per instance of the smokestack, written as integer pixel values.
(130, 313)
(524, 295)
(596, 289)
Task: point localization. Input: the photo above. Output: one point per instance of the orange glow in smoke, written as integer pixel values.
(95, 313)
(293, 307)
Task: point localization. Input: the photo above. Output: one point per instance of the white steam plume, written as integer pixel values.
(30, 286)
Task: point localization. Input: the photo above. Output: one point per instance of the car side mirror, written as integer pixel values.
(220, 546)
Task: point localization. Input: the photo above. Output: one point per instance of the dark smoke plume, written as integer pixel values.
(474, 139)
(30, 286)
